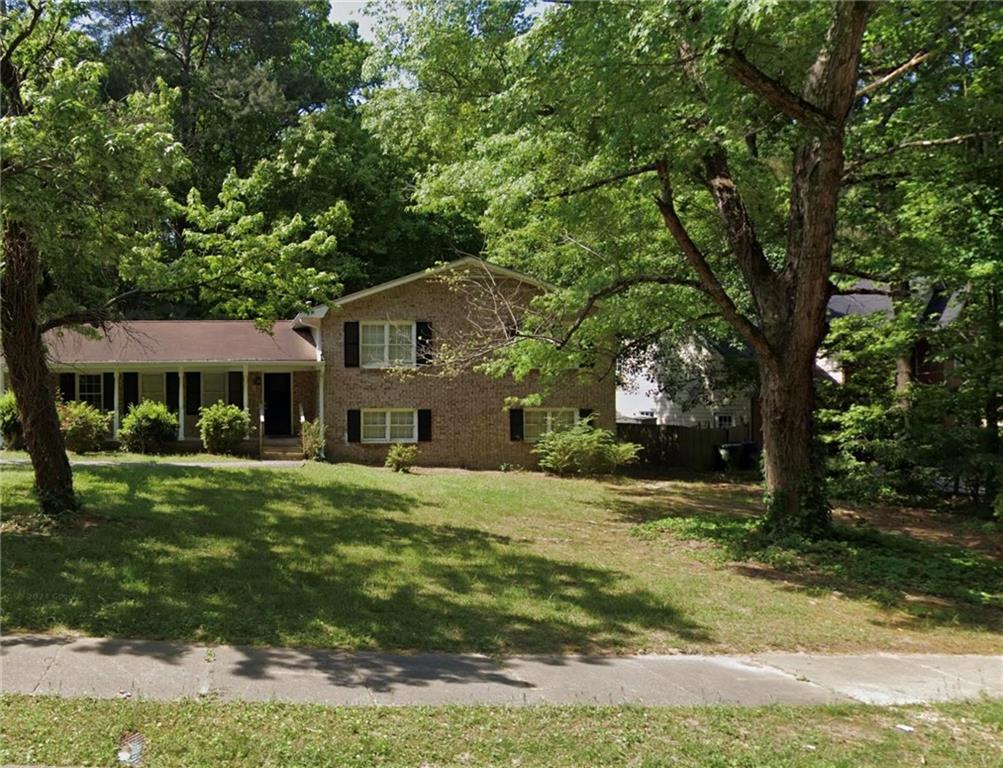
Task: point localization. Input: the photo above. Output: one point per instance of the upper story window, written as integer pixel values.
(386, 344)
(725, 420)
(91, 389)
(539, 421)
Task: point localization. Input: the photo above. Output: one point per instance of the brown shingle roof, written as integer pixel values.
(183, 341)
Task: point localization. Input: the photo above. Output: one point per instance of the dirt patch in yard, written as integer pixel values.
(925, 525)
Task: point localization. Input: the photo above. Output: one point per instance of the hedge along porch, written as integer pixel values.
(188, 364)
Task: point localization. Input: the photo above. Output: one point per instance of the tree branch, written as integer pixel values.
(745, 245)
(918, 144)
(895, 74)
(773, 92)
(711, 285)
(859, 273)
(859, 292)
(102, 313)
(619, 286)
(10, 79)
(20, 37)
(639, 170)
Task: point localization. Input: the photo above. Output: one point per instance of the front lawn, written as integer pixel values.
(206, 733)
(357, 557)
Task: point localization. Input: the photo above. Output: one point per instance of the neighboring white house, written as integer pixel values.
(695, 398)
(694, 402)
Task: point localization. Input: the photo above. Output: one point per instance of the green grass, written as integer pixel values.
(865, 562)
(86, 732)
(358, 557)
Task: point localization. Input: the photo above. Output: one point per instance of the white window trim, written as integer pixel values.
(549, 412)
(100, 377)
(386, 426)
(385, 324)
(729, 416)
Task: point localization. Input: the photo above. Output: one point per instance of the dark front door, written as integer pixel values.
(278, 404)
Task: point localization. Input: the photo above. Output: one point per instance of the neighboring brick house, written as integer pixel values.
(366, 367)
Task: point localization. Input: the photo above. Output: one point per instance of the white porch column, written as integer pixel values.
(320, 411)
(115, 416)
(181, 404)
(247, 405)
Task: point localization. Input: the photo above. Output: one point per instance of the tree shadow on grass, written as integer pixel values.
(249, 556)
(928, 581)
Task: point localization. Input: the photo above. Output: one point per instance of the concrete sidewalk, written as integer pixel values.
(108, 668)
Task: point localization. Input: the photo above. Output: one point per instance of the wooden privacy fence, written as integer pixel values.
(693, 448)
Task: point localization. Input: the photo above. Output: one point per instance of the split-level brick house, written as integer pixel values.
(368, 368)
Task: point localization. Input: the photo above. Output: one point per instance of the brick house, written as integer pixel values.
(364, 367)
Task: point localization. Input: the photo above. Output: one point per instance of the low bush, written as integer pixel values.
(10, 423)
(401, 457)
(84, 427)
(583, 450)
(223, 427)
(148, 428)
(312, 437)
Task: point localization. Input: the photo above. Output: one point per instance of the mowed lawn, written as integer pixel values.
(356, 557)
(56, 731)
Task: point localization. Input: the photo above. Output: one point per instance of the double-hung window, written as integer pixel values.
(389, 426)
(725, 420)
(539, 421)
(387, 344)
(90, 389)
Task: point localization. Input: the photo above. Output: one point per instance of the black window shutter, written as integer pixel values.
(193, 392)
(354, 425)
(68, 386)
(351, 344)
(515, 423)
(235, 383)
(108, 395)
(172, 383)
(423, 342)
(584, 413)
(424, 425)
(130, 389)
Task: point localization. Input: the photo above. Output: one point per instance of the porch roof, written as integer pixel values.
(184, 341)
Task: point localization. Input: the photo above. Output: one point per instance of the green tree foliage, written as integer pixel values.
(328, 202)
(83, 195)
(243, 71)
(672, 167)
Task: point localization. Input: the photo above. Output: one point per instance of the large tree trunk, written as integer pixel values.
(792, 463)
(29, 374)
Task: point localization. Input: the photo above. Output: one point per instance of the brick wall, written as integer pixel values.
(470, 427)
(305, 394)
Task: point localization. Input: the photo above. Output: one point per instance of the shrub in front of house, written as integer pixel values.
(312, 437)
(84, 427)
(223, 427)
(583, 450)
(401, 457)
(10, 423)
(148, 427)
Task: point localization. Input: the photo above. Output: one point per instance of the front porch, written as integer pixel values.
(277, 398)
